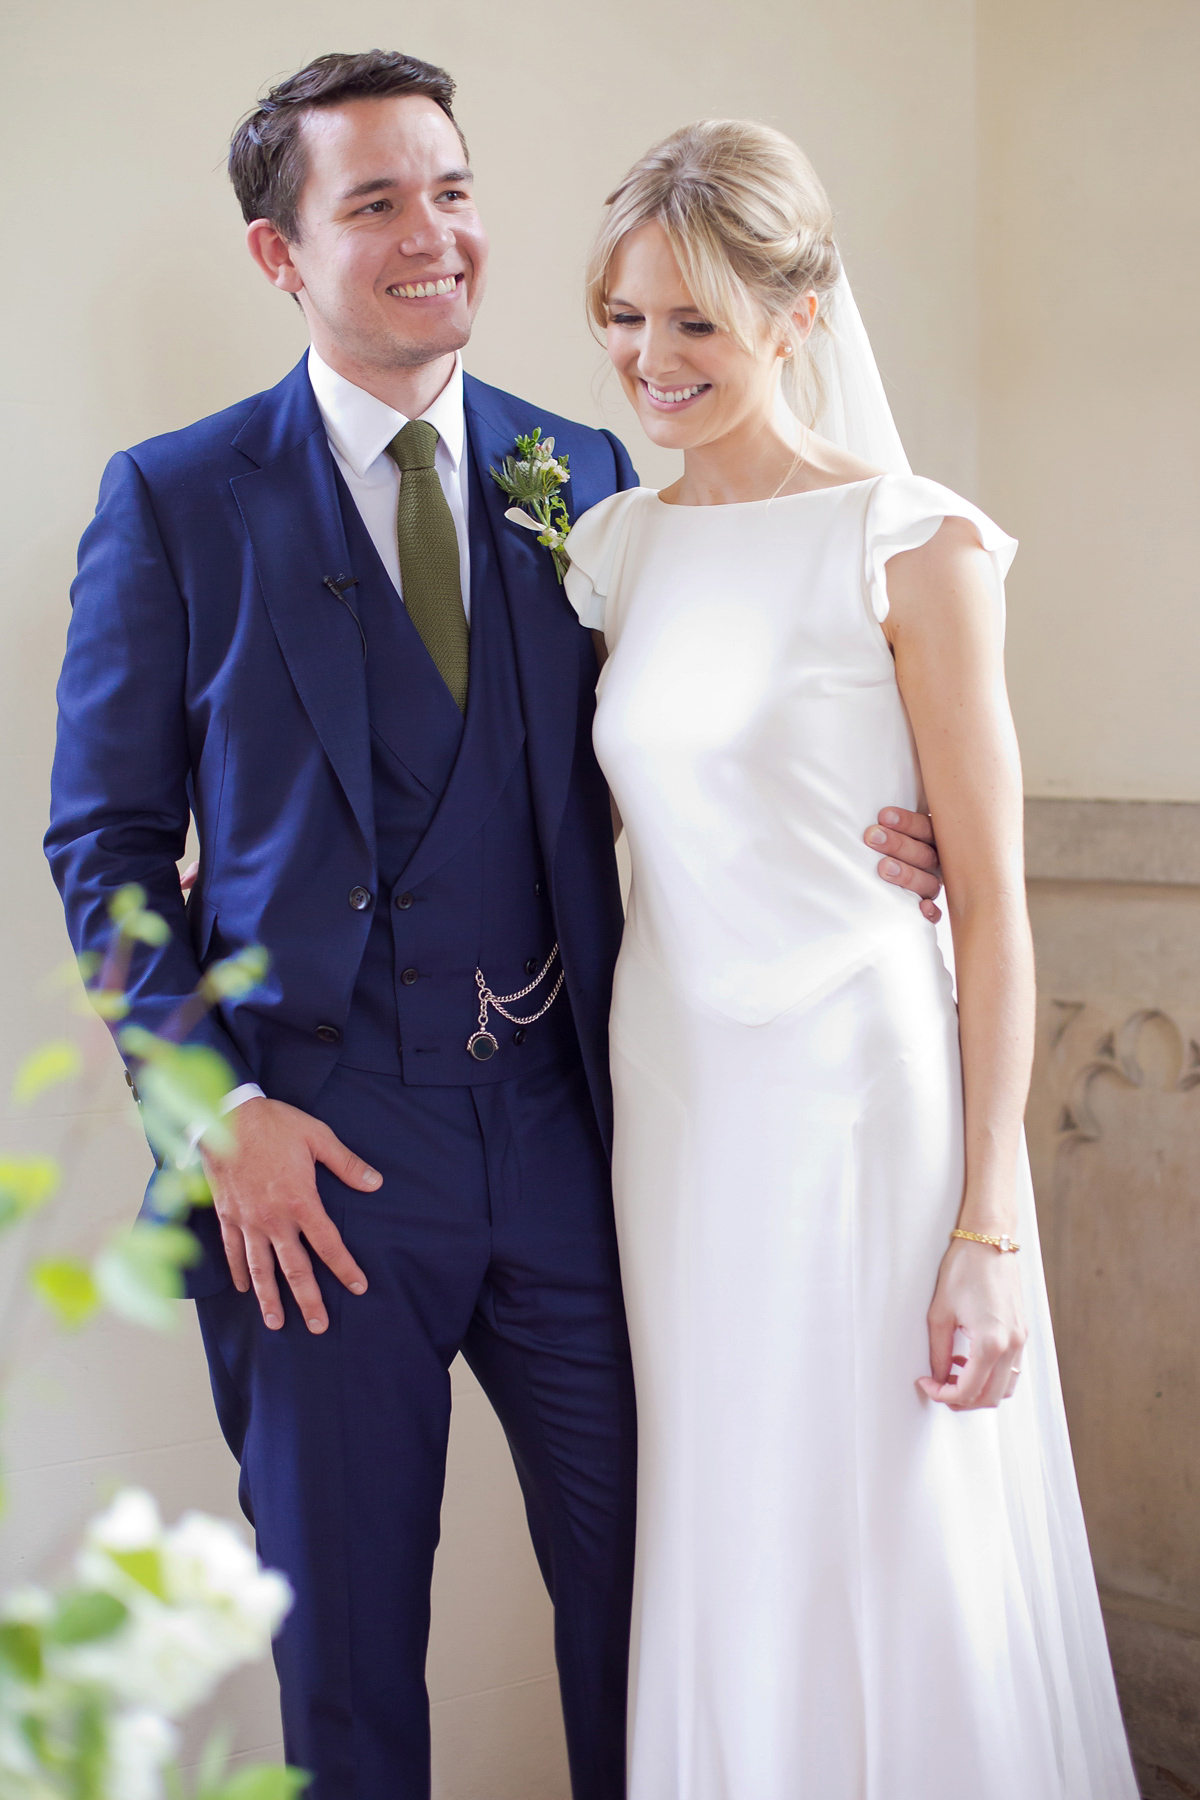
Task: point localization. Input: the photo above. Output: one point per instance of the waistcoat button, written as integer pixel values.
(329, 1034)
(360, 898)
(519, 1036)
(531, 967)
(408, 977)
(404, 901)
(539, 889)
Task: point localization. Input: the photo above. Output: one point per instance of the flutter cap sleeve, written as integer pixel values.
(904, 512)
(594, 546)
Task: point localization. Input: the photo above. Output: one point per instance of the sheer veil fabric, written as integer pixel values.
(843, 1592)
(855, 415)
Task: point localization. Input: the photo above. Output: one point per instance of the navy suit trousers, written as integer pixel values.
(491, 1234)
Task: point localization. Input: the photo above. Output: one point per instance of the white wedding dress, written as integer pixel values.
(844, 1592)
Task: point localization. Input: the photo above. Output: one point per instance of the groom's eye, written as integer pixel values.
(377, 206)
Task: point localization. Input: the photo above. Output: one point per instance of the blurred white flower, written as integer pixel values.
(140, 1744)
(132, 1522)
(27, 1606)
(199, 1606)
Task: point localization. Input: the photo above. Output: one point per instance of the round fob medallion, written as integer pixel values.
(482, 1045)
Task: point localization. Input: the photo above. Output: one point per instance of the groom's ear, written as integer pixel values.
(273, 254)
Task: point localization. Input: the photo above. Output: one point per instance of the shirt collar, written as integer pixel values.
(360, 427)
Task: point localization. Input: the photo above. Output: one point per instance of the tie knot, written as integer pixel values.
(413, 446)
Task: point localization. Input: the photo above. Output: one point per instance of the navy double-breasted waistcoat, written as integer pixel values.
(209, 668)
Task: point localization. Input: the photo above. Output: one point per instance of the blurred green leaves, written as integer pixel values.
(26, 1183)
(68, 1287)
(266, 1782)
(45, 1068)
(236, 975)
(140, 1273)
(68, 1727)
(127, 910)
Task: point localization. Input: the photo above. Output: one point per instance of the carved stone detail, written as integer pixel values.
(1115, 1056)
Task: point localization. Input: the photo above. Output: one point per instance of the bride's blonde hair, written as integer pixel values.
(751, 228)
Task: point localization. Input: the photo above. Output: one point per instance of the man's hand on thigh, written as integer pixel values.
(265, 1193)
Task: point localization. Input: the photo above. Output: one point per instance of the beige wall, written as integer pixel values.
(1089, 420)
(129, 308)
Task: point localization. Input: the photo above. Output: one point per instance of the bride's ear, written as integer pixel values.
(804, 315)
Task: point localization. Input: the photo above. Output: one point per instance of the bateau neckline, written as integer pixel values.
(717, 506)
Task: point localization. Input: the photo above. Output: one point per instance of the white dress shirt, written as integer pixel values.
(360, 428)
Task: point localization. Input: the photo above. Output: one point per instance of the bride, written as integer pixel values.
(862, 1567)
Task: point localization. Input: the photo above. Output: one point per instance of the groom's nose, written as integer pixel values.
(429, 235)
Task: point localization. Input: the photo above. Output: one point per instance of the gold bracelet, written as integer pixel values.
(1002, 1244)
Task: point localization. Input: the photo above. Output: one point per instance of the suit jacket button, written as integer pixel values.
(408, 977)
(329, 1034)
(360, 898)
(539, 888)
(519, 1036)
(404, 901)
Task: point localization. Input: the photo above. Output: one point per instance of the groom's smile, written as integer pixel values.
(389, 257)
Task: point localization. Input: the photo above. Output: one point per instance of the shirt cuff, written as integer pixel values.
(236, 1097)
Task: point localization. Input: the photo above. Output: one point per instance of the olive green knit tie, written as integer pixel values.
(429, 566)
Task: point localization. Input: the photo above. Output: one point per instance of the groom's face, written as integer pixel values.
(392, 254)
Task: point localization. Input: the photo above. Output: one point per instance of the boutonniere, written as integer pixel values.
(533, 478)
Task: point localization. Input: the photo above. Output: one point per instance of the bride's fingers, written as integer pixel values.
(941, 1347)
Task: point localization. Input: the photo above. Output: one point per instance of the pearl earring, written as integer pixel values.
(785, 349)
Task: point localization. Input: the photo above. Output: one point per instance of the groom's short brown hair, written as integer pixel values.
(267, 160)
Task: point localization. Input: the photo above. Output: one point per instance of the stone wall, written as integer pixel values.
(1114, 1136)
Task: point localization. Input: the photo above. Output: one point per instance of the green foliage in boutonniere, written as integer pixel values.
(532, 478)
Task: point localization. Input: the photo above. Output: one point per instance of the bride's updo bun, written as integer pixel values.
(749, 223)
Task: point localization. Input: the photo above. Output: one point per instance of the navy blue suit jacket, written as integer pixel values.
(208, 668)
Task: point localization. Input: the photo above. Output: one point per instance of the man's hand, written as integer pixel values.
(265, 1193)
(910, 857)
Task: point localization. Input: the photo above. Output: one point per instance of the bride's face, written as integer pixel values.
(687, 379)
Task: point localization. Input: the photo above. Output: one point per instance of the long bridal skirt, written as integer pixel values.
(844, 1591)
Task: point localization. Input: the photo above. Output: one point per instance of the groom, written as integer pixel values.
(307, 621)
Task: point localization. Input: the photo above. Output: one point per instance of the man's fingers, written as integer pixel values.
(325, 1240)
(260, 1257)
(187, 880)
(296, 1268)
(917, 881)
(911, 824)
(341, 1162)
(235, 1256)
(904, 849)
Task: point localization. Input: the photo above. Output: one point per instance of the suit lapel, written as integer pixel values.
(546, 633)
(290, 509)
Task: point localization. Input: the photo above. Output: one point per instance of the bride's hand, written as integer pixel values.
(978, 1293)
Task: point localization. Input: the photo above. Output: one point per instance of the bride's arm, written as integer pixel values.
(944, 629)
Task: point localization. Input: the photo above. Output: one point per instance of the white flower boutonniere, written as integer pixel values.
(533, 478)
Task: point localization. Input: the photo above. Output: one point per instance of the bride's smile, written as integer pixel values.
(709, 388)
